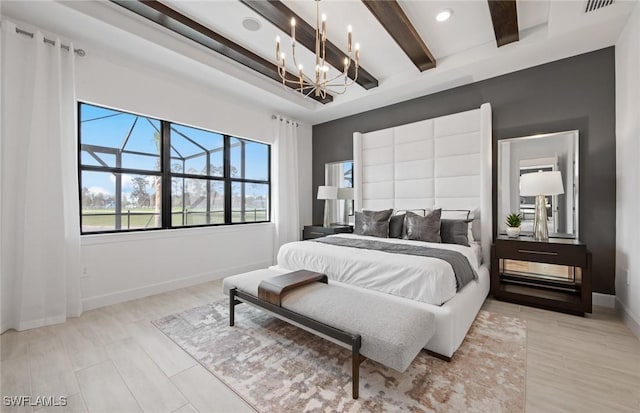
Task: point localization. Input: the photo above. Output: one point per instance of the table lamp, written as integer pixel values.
(327, 193)
(541, 184)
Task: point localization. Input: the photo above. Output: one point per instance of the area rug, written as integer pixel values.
(276, 367)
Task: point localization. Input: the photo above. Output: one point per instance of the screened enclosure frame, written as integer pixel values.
(164, 216)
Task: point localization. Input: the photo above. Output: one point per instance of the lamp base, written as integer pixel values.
(327, 219)
(540, 230)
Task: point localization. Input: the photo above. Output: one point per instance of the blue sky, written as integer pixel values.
(105, 127)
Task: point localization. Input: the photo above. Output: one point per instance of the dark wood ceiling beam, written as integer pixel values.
(504, 16)
(278, 14)
(183, 25)
(397, 24)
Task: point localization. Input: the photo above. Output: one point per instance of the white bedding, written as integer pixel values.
(429, 280)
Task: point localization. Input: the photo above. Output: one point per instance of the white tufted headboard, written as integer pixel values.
(441, 162)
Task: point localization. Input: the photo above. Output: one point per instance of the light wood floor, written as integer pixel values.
(113, 360)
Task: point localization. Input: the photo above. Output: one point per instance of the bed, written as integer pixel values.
(443, 162)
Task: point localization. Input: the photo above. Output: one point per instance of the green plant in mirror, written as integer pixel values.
(514, 220)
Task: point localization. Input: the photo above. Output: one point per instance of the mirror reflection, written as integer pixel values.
(540, 153)
(339, 174)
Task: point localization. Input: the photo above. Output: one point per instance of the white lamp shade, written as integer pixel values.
(541, 183)
(327, 192)
(345, 193)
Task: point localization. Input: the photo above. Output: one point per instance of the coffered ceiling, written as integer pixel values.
(405, 53)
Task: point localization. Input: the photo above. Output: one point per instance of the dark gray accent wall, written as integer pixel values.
(573, 93)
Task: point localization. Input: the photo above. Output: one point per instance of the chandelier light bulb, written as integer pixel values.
(282, 55)
(349, 29)
(277, 39)
(324, 17)
(357, 46)
(293, 22)
(300, 67)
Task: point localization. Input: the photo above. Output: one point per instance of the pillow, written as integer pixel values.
(373, 223)
(425, 228)
(454, 231)
(421, 211)
(396, 226)
(471, 216)
(456, 214)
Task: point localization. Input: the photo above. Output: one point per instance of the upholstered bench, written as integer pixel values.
(389, 332)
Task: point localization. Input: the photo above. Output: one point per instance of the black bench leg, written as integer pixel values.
(232, 307)
(355, 367)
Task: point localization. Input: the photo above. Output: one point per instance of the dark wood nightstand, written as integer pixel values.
(554, 274)
(317, 231)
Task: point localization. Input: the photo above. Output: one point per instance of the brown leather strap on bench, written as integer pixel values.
(272, 289)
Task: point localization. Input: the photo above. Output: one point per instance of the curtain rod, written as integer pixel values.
(284, 120)
(79, 52)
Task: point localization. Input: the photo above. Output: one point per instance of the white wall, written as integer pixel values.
(628, 172)
(120, 267)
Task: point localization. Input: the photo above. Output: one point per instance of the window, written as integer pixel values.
(140, 173)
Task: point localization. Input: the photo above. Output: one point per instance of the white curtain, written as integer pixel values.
(285, 192)
(40, 241)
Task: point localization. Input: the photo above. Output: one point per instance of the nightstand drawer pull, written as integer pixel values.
(537, 252)
(316, 233)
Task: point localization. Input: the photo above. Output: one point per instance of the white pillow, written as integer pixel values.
(421, 212)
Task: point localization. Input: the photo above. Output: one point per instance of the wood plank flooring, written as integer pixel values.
(113, 360)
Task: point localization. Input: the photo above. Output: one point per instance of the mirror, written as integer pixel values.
(529, 154)
(339, 174)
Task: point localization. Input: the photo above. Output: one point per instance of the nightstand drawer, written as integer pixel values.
(569, 254)
(317, 231)
(314, 234)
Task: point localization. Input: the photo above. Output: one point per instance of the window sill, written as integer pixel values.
(98, 239)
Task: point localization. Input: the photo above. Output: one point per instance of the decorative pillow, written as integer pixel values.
(454, 231)
(425, 228)
(471, 216)
(396, 226)
(373, 223)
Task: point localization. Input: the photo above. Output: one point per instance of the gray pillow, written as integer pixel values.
(425, 228)
(396, 226)
(454, 231)
(373, 223)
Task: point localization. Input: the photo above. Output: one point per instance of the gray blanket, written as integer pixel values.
(462, 269)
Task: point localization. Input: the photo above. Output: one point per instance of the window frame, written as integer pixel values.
(167, 175)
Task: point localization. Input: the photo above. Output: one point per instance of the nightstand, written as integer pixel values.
(317, 231)
(554, 274)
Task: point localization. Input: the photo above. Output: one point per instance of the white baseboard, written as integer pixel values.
(103, 300)
(629, 319)
(603, 300)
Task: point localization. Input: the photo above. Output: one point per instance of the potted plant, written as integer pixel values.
(513, 224)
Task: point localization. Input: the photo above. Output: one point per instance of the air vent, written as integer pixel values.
(593, 5)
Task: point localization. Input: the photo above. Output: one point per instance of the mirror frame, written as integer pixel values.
(576, 180)
(336, 204)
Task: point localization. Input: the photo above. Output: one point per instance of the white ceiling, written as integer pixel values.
(464, 46)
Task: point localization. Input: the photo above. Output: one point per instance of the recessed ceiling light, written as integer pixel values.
(251, 24)
(444, 15)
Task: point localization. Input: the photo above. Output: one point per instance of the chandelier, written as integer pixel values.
(319, 83)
